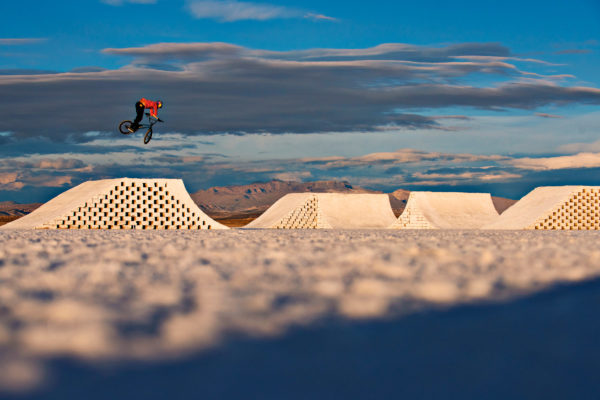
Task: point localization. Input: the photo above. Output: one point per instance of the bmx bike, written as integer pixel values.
(125, 125)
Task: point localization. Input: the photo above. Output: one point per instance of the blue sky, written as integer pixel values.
(430, 95)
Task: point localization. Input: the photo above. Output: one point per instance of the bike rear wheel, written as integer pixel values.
(124, 127)
(148, 136)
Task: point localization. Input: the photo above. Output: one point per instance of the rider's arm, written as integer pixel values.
(155, 109)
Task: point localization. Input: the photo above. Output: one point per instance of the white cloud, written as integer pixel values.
(296, 176)
(19, 41)
(468, 176)
(183, 51)
(580, 147)
(399, 157)
(580, 160)
(546, 115)
(231, 10)
(9, 181)
(319, 17)
(59, 163)
(121, 2)
(8, 177)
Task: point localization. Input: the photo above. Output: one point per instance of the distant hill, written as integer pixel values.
(254, 199)
(398, 199)
(9, 210)
(502, 203)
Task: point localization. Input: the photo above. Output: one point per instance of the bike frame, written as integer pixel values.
(151, 120)
(124, 128)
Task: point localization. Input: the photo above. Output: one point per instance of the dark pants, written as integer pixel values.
(139, 109)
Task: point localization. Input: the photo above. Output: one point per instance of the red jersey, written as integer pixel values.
(150, 105)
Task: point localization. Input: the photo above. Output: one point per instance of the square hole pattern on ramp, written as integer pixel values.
(307, 216)
(412, 218)
(579, 212)
(131, 205)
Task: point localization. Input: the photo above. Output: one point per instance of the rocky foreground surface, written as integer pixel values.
(299, 314)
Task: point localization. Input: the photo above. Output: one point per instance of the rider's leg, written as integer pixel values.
(139, 108)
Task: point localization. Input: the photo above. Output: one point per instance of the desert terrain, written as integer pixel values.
(299, 314)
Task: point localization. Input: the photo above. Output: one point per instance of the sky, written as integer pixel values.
(430, 95)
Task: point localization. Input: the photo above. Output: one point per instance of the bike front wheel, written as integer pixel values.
(124, 127)
(148, 136)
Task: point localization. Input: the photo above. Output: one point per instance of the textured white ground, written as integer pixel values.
(98, 296)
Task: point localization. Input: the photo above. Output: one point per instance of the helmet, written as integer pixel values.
(159, 103)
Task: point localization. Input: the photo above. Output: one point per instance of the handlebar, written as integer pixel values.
(156, 118)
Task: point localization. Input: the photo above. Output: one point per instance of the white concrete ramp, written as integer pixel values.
(327, 211)
(123, 203)
(554, 207)
(446, 210)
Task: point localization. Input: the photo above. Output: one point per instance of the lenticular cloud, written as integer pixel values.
(215, 88)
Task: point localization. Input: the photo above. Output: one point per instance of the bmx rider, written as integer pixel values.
(140, 106)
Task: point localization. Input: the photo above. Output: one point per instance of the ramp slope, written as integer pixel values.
(446, 210)
(327, 211)
(554, 207)
(123, 203)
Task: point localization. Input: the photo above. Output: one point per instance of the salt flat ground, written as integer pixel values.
(299, 314)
